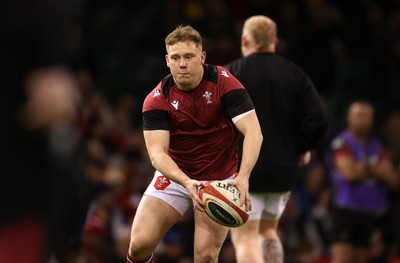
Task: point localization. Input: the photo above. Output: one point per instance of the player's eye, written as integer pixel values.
(175, 58)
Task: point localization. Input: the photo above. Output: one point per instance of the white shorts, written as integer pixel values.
(268, 206)
(172, 193)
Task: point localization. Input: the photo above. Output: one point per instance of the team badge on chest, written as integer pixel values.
(208, 95)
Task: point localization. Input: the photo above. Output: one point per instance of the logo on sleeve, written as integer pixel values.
(156, 93)
(223, 73)
(175, 104)
(207, 95)
(337, 143)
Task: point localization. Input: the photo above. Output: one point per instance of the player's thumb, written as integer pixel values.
(198, 184)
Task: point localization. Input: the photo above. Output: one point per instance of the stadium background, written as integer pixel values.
(115, 50)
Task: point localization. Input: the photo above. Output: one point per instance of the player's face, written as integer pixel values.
(360, 118)
(185, 61)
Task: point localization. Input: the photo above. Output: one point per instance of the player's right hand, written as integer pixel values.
(192, 186)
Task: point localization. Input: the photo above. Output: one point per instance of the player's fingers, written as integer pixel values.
(231, 183)
(248, 203)
(198, 206)
(200, 202)
(201, 209)
(242, 199)
(194, 191)
(197, 199)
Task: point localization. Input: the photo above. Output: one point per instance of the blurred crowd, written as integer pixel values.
(115, 56)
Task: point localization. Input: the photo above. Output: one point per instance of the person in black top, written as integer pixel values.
(293, 122)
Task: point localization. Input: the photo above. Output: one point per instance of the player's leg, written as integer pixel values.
(208, 238)
(260, 233)
(247, 242)
(343, 237)
(271, 243)
(274, 205)
(162, 205)
(366, 226)
(247, 239)
(153, 219)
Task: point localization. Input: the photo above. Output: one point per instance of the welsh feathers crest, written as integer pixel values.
(207, 95)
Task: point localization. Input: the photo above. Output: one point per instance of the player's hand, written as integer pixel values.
(305, 158)
(193, 186)
(242, 184)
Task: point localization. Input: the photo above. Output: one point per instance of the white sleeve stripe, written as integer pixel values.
(236, 118)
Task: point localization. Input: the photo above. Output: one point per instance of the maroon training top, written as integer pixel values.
(204, 141)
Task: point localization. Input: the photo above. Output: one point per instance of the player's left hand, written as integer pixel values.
(192, 187)
(242, 184)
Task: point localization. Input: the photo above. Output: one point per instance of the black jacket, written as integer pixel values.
(290, 113)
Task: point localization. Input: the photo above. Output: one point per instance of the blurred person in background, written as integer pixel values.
(361, 172)
(37, 105)
(314, 222)
(293, 123)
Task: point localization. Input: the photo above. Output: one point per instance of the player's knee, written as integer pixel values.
(244, 239)
(270, 233)
(140, 248)
(245, 244)
(269, 230)
(248, 253)
(206, 256)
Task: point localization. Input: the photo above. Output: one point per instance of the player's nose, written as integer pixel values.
(182, 63)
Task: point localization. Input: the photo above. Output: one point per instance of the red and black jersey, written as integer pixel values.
(204, 140)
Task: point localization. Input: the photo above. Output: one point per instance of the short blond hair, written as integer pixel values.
(261, 31)
(183, 34)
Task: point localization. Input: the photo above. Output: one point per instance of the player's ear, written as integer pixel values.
(245, 41)
(203, 57)
(167, 60)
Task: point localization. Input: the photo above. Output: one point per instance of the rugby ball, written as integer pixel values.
(222, 204)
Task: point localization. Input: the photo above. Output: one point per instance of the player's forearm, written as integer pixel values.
(355, 172)
(163, 163)
(386, 173)
(251, 149)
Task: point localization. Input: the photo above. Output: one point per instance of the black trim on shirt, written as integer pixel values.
(237, 102)
(155, 120)
(166, 85)
(210, 73)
